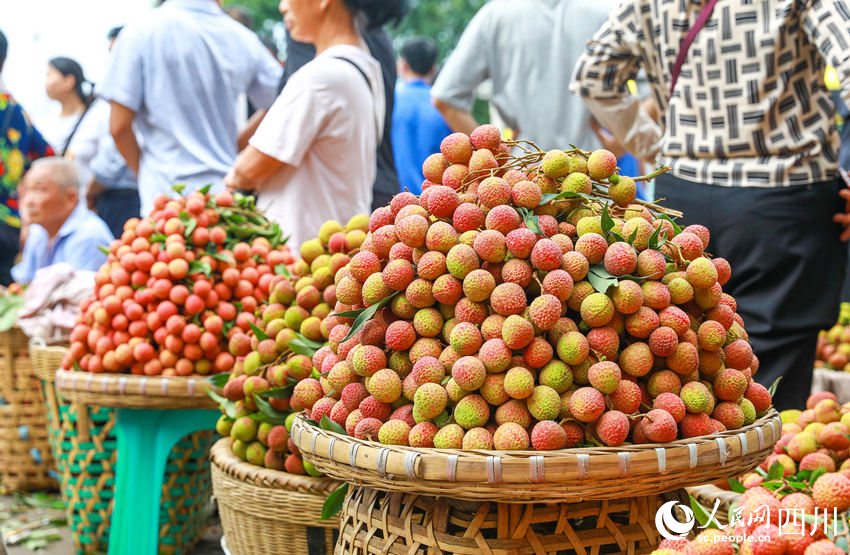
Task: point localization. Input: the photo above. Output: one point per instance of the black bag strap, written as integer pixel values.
(74, 131)
(359, 70)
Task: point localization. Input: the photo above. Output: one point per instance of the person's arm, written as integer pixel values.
(250, 128)
(466, 68)
(93, 191)
(121, 128)
(611, 58)
(251, 169)
(459, 120)
(262, 90)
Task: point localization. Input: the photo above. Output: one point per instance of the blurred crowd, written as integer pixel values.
(730, 97)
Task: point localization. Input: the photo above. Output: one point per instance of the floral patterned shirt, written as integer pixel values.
(20, 144)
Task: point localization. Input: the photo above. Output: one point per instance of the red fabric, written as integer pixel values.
(689, 40)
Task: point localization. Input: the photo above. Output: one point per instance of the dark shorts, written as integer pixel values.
(787, 267)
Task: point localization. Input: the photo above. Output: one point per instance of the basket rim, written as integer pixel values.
(579, 466)
(39, 348)
(129, 391)
(222, 456)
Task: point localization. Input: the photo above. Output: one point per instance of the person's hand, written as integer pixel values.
(231, 182)
(844, 218)
(93, 192)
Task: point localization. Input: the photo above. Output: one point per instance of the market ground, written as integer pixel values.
(210, 543)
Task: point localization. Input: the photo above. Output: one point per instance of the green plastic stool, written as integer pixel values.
(145, 438)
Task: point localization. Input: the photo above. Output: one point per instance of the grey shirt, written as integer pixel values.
(182, 69)
(528, 48)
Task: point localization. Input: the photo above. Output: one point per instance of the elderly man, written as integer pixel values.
(61, 229)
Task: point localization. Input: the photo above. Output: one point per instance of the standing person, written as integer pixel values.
(313, 157)
(527, 49)
(177, 75)
(111, 188)
(20, 145)
(418, 127)
(748, 130)
(65, 84)
(378, 41)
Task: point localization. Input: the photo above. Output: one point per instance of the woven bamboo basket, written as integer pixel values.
(569, 475)
(836, 381)
(267, 512)
(374, 522)
(82, 439)
(710, 495)
(25, 459)
(135, 392)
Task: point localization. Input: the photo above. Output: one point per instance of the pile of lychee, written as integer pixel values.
(833, 349)
(177, 286)
(817, 437)
(530, 302)
(275, 355)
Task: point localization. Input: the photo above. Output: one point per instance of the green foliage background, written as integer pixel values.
(441, 20)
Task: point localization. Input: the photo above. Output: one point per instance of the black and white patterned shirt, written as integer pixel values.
(750, 107)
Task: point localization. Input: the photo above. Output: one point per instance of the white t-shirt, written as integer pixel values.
(326, 125)
(57, 129)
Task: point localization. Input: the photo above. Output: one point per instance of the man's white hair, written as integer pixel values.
(63, 171)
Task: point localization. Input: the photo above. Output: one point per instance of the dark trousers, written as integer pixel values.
(116, 206)
(380, 199)
(787, 268)
(10, 244)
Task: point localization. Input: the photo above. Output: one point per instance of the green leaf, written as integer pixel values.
(309, 342)
(218, 380)
(773, 485)
(349, 313)
(703, 516)
(776, 471)
(654, 238)
(798, 485)
(600, 279)
(606, 221)
(366, 315)
(103, 249)
(196, 266)
(632, 237)
(205, 189)
(157, 238)
(300, 349)
(549, 197)
(258, 333)
(817, 473)
(178, 187)
(281, 270)
(676, 228)
(13, 305)
(773, 386)
(284, 392)
(331, 426)
(736, 486)
(333, 504)
(270, 414)
(532, 221)
(222, 257)
(226, 405)
(191, 224)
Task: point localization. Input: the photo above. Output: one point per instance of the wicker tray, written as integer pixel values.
(570, 475)
(134, 392)
(26, 462)
(836, 381)
(377, 522)
(267, 512)
(83, 442)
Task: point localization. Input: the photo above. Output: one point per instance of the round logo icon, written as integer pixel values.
(669, 525)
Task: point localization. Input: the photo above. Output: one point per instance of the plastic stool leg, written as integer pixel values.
(145, 438)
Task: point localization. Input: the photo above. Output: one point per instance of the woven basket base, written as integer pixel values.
(266, 512)
(393, 522)
(25, 457)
